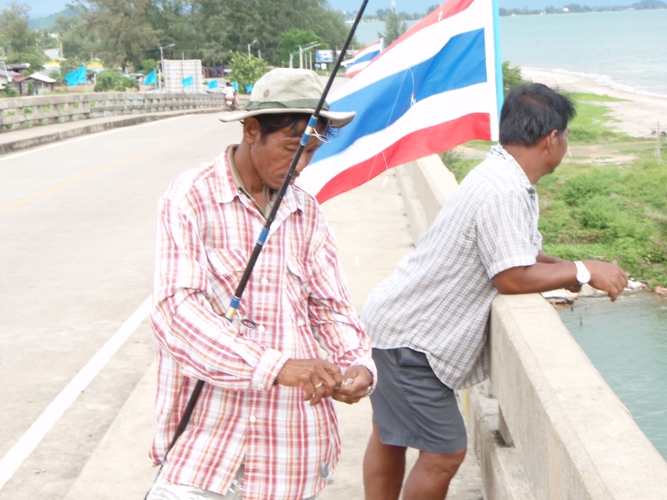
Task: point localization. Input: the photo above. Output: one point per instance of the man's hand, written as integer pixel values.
(358, 380)
(318, 378)
(607, 277)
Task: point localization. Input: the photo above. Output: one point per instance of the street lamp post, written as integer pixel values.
(249, 45)
(162, 64)
(305, 47)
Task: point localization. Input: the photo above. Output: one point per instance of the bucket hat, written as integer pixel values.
(287, 90)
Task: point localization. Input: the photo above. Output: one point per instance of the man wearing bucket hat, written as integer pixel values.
(264, 425)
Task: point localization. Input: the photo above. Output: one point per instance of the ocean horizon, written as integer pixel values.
(622, 50)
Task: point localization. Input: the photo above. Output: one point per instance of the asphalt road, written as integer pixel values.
(77, 231)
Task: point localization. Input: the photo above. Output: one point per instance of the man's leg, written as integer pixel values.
(429, 478)
(384, 468)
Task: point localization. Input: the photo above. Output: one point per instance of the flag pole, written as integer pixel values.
(259, 245)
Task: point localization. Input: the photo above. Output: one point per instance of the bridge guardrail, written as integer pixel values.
(24, 112)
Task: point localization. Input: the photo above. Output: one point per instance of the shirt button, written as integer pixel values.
(264, 281)
(252, 419)
(258, 387)
(261, 328)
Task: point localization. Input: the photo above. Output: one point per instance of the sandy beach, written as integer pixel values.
(638, 114)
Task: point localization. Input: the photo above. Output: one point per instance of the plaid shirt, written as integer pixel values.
(297, 296)
(439, 298)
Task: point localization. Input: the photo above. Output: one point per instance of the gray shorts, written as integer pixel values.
(412, 407)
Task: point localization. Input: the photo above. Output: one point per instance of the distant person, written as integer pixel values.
(230, 97)
(428, 321)
(264, 426)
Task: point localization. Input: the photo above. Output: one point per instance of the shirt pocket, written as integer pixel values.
(296, 285)
(226, 267)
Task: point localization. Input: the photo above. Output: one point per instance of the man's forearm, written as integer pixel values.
(539, 277)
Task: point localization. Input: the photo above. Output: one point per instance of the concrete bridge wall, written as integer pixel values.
(546, 425)
(23, 112)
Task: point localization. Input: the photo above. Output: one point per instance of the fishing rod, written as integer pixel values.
(264, 234)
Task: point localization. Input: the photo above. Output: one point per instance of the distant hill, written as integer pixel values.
(48, 22)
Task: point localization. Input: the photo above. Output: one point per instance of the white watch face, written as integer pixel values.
(583, 274)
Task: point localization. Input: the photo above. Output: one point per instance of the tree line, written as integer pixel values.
(579, 8)
(124, 34)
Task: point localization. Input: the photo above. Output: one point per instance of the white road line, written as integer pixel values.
(34, 435)
(84, 138)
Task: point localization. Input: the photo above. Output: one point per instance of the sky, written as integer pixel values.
(42, 8)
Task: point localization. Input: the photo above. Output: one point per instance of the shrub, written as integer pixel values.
(580, 188)
(595, 213)
(148, 65)
(512, 77)
(247, 70)
(112, 79)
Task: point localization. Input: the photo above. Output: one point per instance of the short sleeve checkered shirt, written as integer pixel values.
(296, 294)
(439, 297)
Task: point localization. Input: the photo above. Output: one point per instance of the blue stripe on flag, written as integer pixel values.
(366, 57)
(460, 63)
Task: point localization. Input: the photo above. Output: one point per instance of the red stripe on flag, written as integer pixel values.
(449, 9)
(416, 145)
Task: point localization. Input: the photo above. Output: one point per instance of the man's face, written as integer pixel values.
(272, 156)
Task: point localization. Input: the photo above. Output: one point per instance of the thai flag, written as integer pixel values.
(437, 86)
(363, 58)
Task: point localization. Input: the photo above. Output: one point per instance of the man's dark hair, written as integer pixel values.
(273, 122)
(532, 112)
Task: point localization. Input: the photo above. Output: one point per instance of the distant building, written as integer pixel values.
(95, 66)
(19, 68)
(7, 77)
(51, 66)
(53, 54)
(40, 83)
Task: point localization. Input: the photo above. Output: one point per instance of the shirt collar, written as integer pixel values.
(501, 152)
(227, 188)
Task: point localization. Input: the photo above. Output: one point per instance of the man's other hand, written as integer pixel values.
(357, 382)
(607, 277)
(318, 378)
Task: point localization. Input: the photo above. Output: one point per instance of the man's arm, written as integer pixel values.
(550, 273)
(206, 345)
(548, 259)
(334, 321)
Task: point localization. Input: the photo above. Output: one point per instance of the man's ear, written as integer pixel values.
(551, 140)
(251, 130)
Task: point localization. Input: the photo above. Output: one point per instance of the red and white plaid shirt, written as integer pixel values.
(297, 295)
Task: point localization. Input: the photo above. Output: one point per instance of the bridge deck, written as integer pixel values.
(370, 247)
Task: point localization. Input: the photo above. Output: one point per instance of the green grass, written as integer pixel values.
(613, 212)
(590, 124)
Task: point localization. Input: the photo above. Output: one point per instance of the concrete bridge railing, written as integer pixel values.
(23, 112)
(546, 425)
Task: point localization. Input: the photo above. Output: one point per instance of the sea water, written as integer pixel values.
(627, 342)
(626, 50)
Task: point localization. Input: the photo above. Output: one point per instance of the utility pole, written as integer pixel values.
(250, 45)
(162, 64)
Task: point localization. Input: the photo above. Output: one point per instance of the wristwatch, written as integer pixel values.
(583, 274)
